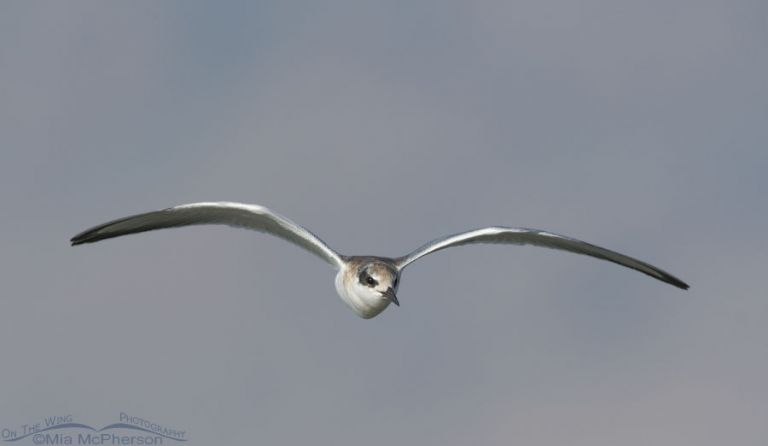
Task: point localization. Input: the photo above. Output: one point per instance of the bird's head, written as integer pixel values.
(377, 281)
(368, 284)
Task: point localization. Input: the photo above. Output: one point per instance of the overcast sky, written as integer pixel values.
(379, 125)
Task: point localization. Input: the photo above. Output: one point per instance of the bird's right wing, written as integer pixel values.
(239, 215)
(525, 236)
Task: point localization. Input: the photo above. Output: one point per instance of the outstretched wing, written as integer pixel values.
(248, 216)
(524, 236)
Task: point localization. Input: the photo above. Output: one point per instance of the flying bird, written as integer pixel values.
(367, 284)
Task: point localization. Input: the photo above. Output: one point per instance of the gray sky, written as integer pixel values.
(639, 126)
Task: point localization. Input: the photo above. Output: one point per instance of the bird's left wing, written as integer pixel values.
(248, 216)
(524, 236)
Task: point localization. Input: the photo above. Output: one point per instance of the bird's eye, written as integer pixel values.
(366, 279)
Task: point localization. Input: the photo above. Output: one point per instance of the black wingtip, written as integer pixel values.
(678, 283)
(83, 237)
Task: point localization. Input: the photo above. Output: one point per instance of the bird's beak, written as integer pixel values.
(390, 294)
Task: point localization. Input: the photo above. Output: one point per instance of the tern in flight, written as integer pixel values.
(368, 284)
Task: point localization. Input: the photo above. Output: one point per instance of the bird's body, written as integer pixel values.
(367, 299)
(367, 284)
